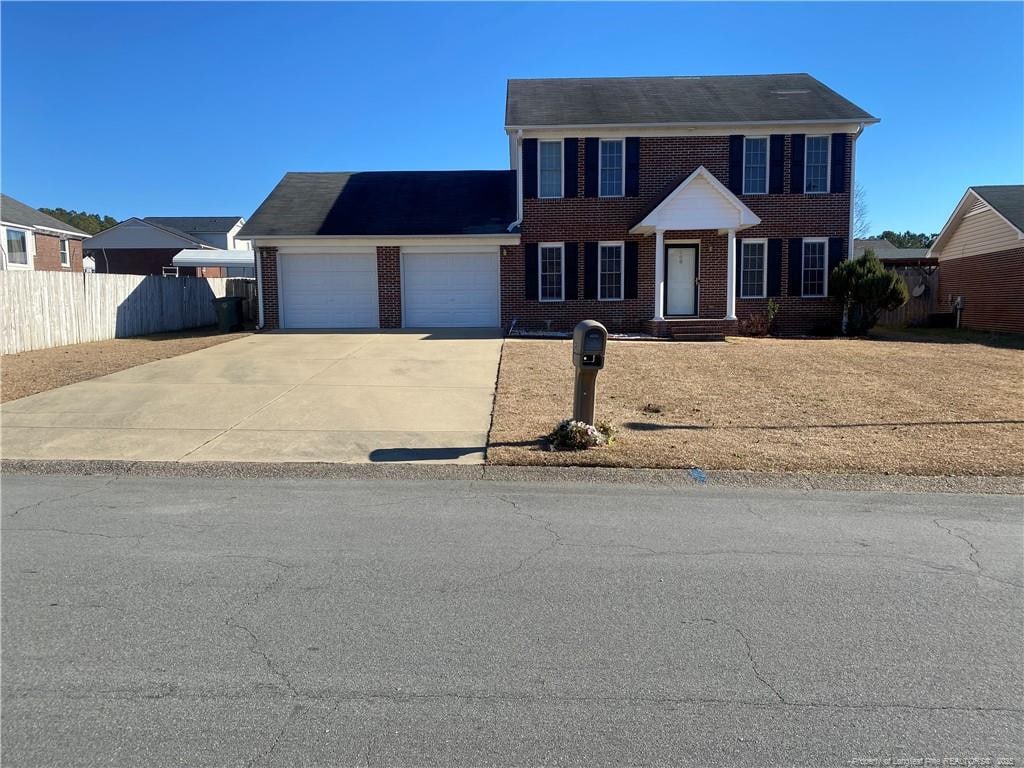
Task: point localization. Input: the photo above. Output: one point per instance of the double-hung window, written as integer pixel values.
(612, 167)
(551, 271)
(17, 247)
(816, 164)
(755, 165)
(815, 280)
(753, 268)
(549, 176)
(65, 254)
(609, 272)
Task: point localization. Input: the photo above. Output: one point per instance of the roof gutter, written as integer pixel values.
(717, 124)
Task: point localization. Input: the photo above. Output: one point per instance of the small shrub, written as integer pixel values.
(866, 288)
(773, 311)
(572, 435)
(755, 325)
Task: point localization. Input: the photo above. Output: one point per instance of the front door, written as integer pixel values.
(681, 280)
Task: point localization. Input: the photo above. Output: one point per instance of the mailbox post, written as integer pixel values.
(589, 341)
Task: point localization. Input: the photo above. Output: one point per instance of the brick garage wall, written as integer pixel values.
(664, 163)
(389, 286)
(268, 279)
(47, 257)
(992, 285)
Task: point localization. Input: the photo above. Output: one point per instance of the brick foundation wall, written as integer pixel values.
(268, 280)
(664, 163)
(389, 286)
(47, 258)
(992, 285)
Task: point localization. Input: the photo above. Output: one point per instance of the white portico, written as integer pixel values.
(700, 202)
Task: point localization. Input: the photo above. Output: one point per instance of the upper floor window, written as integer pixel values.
(755, 165)
(609, 273)
(612, 168)
(65, 254)
(551, 271)
(549, 177)
(17, 247)
(752, 269)
(814, 278)
(816, 164)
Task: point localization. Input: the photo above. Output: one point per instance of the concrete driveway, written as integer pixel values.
(372, 396)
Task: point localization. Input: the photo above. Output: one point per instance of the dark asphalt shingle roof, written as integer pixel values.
(16, 212)
(387, 203)
(653, 100)
(194, 224)
(1008, 199)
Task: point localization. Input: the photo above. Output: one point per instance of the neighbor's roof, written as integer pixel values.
(15, 212)
(196, 224)
(136, 233)
(669, 100)
(387, 203)
(1007, 199)
(886, 251)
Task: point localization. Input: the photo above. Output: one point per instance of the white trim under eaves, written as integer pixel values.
(690, 129)
(45, 230)
(283, 241)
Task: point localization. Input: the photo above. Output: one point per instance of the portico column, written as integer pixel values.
(730, 281)
(659, 275)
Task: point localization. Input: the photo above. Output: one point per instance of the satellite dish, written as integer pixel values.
(919, 290)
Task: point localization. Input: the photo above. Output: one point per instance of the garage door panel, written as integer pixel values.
(450, 290)
(329, 290)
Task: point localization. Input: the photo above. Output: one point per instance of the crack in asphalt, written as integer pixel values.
(58, 499)
(71, 533)
(972, 555)
(753, 665)
(547, 525)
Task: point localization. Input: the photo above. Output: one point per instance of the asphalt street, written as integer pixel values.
(206, 622)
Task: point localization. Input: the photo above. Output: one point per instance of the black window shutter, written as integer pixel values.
(590, 270)
(836, 252)
(838, 182)
(796, 164)
(631, 269)
(774, 266)
(569, 166)
(736, 165)
(529, 169)
(796, 266)
(571, 270)
(590, 150)
(530, 267)
(632, 167)
(739, 265)
(776, 163)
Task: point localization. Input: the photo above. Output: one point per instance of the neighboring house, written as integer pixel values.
(33, 240)
(673, 205)
(148, 246)
(980, 252)
(892, 256)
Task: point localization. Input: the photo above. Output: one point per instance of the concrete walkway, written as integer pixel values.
(372, 396)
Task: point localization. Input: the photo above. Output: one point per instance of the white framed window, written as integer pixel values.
(18, 253)
(755, 165)
(814, 281)
(170, 271)
(610, 271)
(754, 269)
(612, 167)
(817, 164)
(549, 169)
(65, 253)
(551, 271)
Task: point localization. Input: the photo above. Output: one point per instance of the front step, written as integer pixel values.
(695, 329)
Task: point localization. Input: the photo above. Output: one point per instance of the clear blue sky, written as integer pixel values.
(199, 108)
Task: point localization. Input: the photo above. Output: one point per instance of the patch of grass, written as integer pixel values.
(843, 405)
(950, 336)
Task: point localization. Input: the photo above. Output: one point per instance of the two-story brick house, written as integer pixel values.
(673, 205)
(33, 240)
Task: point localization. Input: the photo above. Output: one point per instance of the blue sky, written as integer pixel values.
(199, 108)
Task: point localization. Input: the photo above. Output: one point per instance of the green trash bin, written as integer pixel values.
(229, 313)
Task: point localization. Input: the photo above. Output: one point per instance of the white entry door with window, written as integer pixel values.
(328, 289)
(450, 287)
(681, 279)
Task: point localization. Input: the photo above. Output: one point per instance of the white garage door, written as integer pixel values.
(450, 288)
(329, 290)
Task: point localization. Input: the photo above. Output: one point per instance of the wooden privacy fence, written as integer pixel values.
(917, 309)
(245, 287)
(51, 309)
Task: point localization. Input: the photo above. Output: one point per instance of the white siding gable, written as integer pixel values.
(700, 202)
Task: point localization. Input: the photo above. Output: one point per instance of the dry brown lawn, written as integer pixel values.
(27, 373)
(837, 405)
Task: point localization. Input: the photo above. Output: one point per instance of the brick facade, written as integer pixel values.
(664, 163)
(389, 286)
(992, 285)
(47, 258)
(268, 283)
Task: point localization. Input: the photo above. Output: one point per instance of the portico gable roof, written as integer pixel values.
(700, 202)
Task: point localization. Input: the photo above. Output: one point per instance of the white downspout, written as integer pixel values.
(730, 282)
(259, 286)
(519, 180)
(853, 187)
(659, 274)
